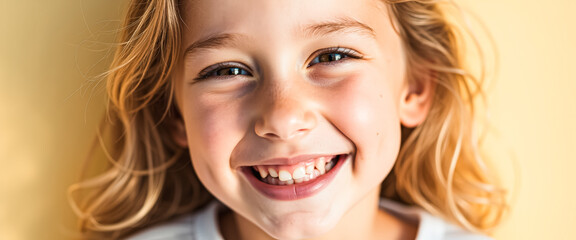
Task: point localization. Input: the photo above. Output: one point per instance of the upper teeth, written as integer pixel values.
(302, 172)
(298, 173)
(263, 172)
(273, 172)
(309, 168)
(284, 175)
(320, 166)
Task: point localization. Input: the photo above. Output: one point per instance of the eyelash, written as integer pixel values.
(343, 53)
(213, 71)
(347, 52)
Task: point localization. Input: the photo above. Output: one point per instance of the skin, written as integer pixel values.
(284, 103)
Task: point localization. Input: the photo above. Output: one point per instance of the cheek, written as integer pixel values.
(365, 110)
(213, 131)
(365, 106)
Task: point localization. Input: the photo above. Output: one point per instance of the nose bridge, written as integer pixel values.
(285, 112)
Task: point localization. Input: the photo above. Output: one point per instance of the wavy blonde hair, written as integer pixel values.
(150, 179)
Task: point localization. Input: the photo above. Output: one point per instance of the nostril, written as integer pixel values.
(285, 136)
(271, 135)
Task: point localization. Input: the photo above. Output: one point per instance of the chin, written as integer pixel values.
(299, 232)
(301, 226)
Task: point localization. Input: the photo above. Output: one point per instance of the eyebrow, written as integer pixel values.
(338, 25)
(314, 30)
(213, 42)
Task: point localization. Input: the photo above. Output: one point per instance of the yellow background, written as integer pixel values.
(51, 51)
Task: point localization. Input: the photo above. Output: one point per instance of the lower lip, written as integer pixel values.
(294, 191)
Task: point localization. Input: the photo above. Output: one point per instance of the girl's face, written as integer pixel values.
(292, 108)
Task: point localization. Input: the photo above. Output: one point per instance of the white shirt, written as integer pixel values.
(203, 225)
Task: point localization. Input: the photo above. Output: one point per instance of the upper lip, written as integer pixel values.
(294, 160)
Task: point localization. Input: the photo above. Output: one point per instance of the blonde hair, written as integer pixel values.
(150, 178)
(439, 167)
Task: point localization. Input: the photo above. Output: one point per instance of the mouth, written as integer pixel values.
(295, 174)
(296, 181)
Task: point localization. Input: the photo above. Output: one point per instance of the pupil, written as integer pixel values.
(331, 57)
(234, 71)
(229, 71)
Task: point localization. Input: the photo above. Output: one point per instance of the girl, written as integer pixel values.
(259, 119)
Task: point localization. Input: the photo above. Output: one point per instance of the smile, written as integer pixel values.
(295, 181)
(291, 174)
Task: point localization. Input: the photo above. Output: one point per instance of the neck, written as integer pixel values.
(364, 221)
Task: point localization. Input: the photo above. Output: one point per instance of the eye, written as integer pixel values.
(333, 55)
(224, 70)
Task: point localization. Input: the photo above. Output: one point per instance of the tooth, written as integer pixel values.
(273, 172)
(299, 180)
(309, 168)
(320, 163)
(284, 175)
(315, 174)
(263, 172)
(329, 165)
(298, 173)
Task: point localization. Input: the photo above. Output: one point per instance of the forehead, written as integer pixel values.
(276, 18)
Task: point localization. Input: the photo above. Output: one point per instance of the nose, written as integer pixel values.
(285, 115)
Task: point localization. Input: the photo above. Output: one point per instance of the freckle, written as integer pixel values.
(381, 96)
(377, 134)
